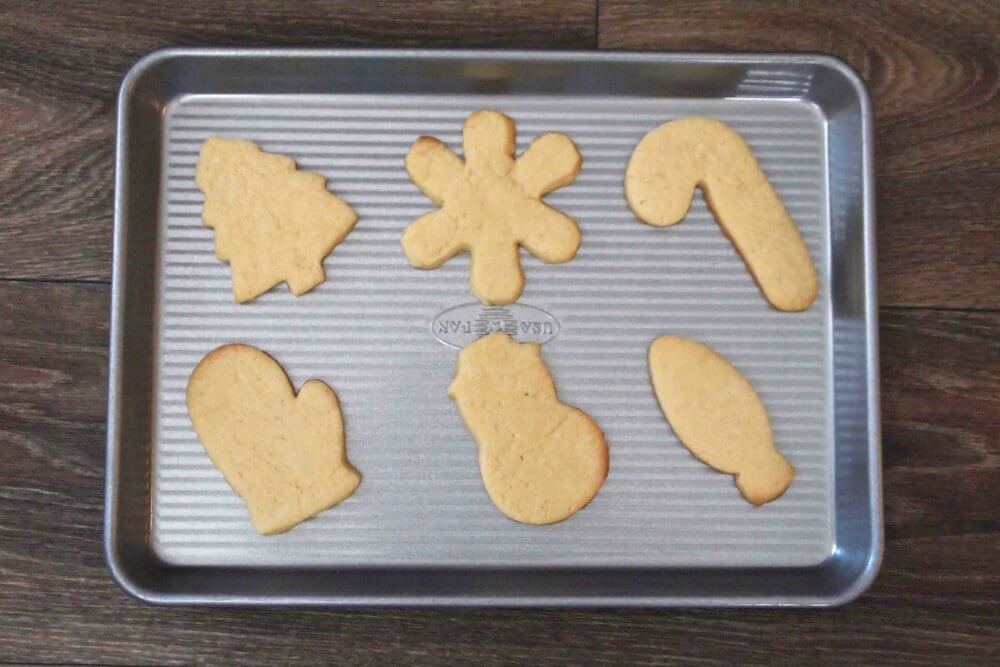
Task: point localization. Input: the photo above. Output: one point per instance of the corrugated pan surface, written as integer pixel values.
(366, 331)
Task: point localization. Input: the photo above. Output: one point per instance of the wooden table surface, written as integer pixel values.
(932, 68)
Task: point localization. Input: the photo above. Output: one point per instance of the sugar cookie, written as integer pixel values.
(678, 156)
(272, 223)
(541, 460)
(718, 416)
(491, 205)
(282, 453)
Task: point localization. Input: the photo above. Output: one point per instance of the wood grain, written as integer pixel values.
(938, 595)
(61, 64)
(934, 72)
(941, 423)
(933, 69)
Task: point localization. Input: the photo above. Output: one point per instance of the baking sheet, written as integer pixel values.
(368, 331)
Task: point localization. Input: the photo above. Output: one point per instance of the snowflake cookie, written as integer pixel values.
(491, 205)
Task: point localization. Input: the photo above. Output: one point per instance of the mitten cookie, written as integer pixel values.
(491, 205)
(718, 416)
(541, 460)
(282, 453)
(678, 156)
(272, 223)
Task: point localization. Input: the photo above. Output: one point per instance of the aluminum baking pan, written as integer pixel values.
(664, 530)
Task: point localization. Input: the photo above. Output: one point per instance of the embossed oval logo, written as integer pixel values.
(461, 325)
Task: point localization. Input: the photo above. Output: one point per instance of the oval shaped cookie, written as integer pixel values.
(676, 157)
(282, 453)
(718, 416)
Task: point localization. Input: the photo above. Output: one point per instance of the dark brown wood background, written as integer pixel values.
(932, 68)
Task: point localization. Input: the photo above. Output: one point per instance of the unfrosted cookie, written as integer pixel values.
(282, 453)
(541, 460)
(491, 205)
(678, 156)
(718, 416)
(272, 222)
